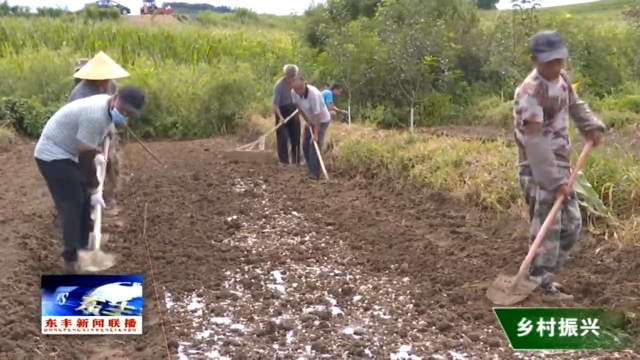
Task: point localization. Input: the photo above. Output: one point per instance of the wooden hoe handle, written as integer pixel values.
(102, 171)
(281, 123)
(554, 210)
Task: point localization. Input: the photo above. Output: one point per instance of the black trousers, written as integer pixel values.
(289, 132)
(73, 203)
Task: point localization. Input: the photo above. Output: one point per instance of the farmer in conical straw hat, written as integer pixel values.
(97, 77)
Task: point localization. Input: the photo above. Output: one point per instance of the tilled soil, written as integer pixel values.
(253, 261)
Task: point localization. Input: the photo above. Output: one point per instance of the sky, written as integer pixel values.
(278, 7)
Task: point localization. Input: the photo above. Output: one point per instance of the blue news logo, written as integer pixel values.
(98, 297)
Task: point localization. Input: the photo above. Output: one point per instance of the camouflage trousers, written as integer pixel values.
(561, 236)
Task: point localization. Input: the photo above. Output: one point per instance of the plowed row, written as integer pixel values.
(253, 261)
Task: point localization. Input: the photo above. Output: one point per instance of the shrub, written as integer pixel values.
(7, 138)
(199, 83)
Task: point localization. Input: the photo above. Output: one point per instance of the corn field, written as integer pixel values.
(199, 81)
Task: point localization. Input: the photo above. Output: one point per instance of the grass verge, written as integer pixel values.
(7, 138)
(479, 171)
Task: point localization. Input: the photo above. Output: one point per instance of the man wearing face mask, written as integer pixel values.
(67, 147)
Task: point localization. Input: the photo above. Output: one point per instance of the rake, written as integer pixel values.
(256, 149)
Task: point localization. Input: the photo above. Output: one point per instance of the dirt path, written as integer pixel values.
(255, 262)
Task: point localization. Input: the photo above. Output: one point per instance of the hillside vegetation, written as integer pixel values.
(422, 62)
(598, 11)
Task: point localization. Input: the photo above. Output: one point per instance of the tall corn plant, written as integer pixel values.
(587, 195)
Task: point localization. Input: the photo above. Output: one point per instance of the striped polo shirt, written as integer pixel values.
(312, 104)
(86, 120)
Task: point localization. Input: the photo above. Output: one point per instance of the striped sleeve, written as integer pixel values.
(91, 130)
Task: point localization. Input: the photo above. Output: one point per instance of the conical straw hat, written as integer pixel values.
(101, 67)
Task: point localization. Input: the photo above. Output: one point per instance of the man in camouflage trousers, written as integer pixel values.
(543, 104)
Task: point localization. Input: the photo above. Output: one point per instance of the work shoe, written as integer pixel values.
(112, 210)
(545, 277)
(553, 292)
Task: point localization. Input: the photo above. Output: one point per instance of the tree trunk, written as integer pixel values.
(412, 118)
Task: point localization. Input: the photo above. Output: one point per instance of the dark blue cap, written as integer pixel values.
(133, 98)
(547, 46)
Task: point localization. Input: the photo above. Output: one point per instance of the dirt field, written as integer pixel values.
(255, 262)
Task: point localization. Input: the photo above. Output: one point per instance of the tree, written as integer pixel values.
(349, 49)
(354, 9)
(527, 12)
(420, 47)
(633, 18)
(487, 4)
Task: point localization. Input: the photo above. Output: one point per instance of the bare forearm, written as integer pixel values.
(277, 113)
(316, 120)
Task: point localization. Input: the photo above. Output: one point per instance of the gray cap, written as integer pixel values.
(80, 63)
(547, 46)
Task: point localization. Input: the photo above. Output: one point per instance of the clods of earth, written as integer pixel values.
(254, 261)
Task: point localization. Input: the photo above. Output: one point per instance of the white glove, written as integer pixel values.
(100, 160)
(96, 199)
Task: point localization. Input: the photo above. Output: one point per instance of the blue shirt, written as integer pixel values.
(327, 96)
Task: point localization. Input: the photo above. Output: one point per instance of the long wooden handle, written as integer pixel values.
(315, 145)
(102, 173)
(552, 214)
(251, 145)
(281, 123)
(145, 147)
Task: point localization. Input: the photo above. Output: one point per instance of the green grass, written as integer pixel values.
(603, 11)
(595, 7)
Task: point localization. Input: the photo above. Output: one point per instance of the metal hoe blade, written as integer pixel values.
(95, 260)
(508, 290)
